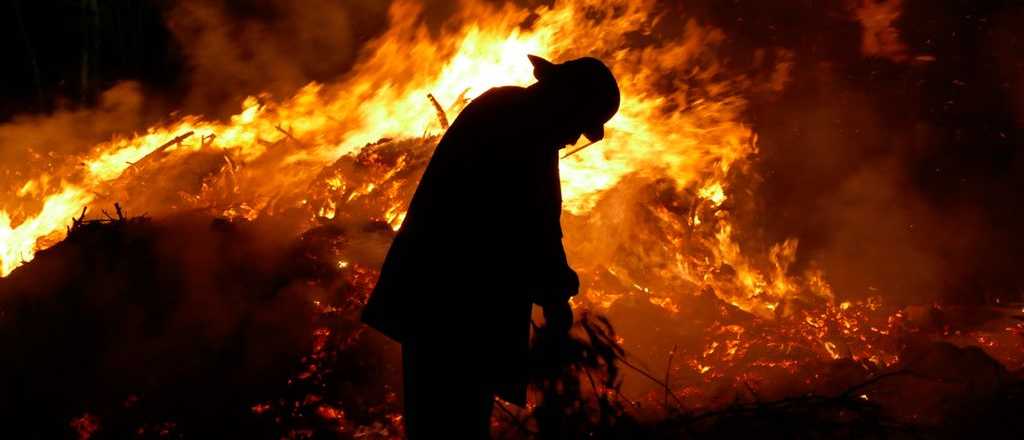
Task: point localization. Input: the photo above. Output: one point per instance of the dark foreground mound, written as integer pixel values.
(193, 327)
(184, 327)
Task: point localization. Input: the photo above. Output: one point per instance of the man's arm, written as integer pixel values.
(557, 281)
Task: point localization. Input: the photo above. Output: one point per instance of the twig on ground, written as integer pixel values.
(519, 423)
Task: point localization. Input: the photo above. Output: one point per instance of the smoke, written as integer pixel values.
(118, 110)
(232, 49)
(237, 48)
(879, 38)
(33, 143)
(896, 177)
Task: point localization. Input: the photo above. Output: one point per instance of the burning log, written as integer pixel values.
(441, 116)
(159, 150)
(288, 134)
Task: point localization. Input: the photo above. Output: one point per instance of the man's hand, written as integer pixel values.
(558, 317)
(571, 282)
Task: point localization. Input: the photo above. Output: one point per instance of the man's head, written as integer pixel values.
(582, 95)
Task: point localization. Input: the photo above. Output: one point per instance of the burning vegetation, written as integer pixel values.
(711, 302)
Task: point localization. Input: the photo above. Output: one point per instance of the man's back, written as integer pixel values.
(486, 213)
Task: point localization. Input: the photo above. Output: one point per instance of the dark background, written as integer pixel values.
(65, 52)
(897, 175)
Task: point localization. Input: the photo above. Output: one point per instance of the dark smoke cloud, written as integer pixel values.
(897, 169)
(235, 48)
(32, 143)
(118, 110)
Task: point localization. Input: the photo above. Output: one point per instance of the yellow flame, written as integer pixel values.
(18, 244)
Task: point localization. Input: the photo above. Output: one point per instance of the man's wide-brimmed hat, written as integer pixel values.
(587, 80)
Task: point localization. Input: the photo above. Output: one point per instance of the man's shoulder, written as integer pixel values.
(503, 96)
(496, 104)
(504, 92)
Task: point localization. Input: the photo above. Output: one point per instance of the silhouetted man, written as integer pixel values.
(481, 242)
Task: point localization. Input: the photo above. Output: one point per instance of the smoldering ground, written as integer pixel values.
(896, 167)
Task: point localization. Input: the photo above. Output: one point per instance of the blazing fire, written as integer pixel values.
(385, 98)
(650, 212)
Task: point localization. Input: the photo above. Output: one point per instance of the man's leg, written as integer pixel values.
(411, 391)
(444, 396)
(484, 408)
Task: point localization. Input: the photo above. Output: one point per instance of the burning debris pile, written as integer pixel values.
(192, 326)
(230, 306)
